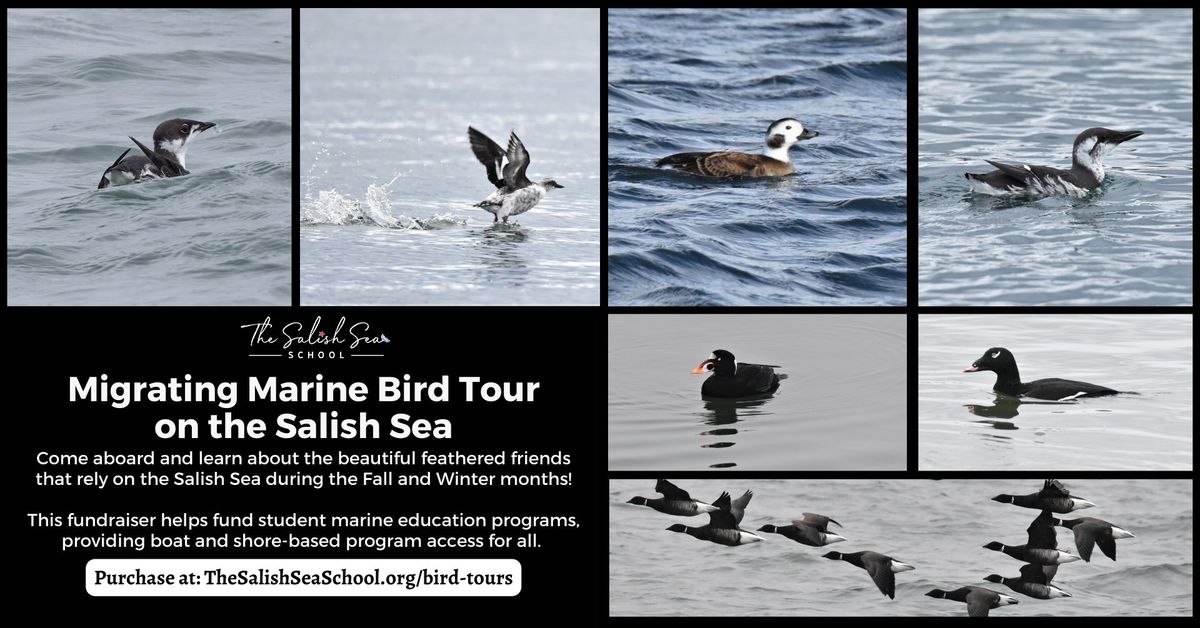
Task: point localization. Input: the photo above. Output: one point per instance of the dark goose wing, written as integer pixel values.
(820, 522)
(671, 492)
(979, 601)
(738, 507)
(880, 568)
(489, 154)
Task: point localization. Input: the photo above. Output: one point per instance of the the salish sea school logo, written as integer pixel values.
(315, 341)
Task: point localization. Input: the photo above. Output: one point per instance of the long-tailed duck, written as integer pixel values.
(171, 141)
(1086, 173)
(515, 193)
(774, 162)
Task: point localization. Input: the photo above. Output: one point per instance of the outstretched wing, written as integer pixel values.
(670, 491)
(1041, 532)
(739, 505)
(1034, 574)
(1054, 488)
(820, 522)
(518, 162)
(104, 181)
(489, 154)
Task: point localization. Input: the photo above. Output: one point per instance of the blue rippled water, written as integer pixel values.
(79, 82)
(684, 80)
(1018, 86)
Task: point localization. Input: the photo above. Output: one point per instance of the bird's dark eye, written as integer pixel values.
(789, 128)
(184, 128)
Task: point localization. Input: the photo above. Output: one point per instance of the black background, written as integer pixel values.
(154, 344)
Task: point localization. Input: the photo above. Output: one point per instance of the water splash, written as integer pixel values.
(332, 207)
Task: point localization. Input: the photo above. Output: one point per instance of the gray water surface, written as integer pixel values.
(964, 425)
(842, 405)
(939, 527)
(79, 83)
(389, 179)
(1017, 86)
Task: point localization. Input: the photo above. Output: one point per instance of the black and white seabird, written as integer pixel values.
(979, 600)
(731, 379)
(674, 501)
(515, 193)
(1086, 173)
(1008, 380)
(882, 569)
(171, 141)
(774, 162)
(722, 525)
(1053, 497)
(811, 529)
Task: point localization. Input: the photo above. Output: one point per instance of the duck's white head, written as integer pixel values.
(784, 134)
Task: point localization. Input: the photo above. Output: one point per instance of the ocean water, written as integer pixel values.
(1017, 86)
(388, 178)
(937, 526)
(835, 410)
(693, 80)
(79, 83)
(963, 425)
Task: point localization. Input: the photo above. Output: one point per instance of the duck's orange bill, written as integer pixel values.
(700, 370)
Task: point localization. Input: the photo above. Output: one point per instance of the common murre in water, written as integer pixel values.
(515, 193)
(171, 140)
(775, 161)
(1086, 173)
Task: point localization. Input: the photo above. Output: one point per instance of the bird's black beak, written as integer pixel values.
(204, 126)
(808, 134)
(1125, 136)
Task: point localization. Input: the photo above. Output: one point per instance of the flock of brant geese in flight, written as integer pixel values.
(1040, 552)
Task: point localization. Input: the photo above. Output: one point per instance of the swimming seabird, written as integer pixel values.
(515, 193)
(1086, 173)
(774, 162)
(171, 141)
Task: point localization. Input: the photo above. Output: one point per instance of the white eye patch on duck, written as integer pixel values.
(995, 355)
